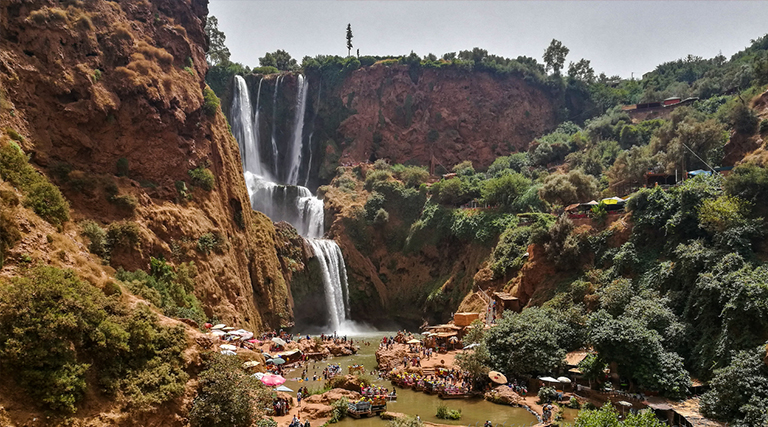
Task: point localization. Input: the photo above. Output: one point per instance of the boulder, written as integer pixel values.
(504, 395)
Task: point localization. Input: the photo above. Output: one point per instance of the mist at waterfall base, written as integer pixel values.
(272, 173)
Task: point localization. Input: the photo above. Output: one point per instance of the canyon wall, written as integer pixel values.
(107, 98)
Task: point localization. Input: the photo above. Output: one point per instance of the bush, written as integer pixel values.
(122, 166)
(97, 237)
(125, 201)
(203, 178)
(547, 394)
(340, 408)
(744, 119)
(55, 329)
(123, 234)
(381, 217)
(211, 242)
(447, 414)
(184, 193)
(47, 201)
(210, 102)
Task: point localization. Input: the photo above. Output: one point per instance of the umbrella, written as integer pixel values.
(251, 364)
(228, 353)
(612, 200)
(247, 335)
(276, 361)
(278, 341)
(453, 339)
(497, 377)
(283, 388)
(239, 332)
(254, 341)
(549, 379)
(624, 403)
(229, 328)
(414, 341)
(218, 333)
(564, 380)
(272, 380)
(258, 375)
(219, 326)
(591, 203)
(471, 346)
(228, 347)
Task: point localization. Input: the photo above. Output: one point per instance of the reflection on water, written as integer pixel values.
(474, 411)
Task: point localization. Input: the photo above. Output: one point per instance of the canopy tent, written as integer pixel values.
(414, 342)
(272, 380)
(497, 377)
(564, 380)
(228, 353)
(612, 200)
(219, 326)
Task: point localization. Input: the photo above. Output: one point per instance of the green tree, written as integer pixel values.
(581, 71)
(504, 190)
(573, 187)
(279, 59)
(226, 395)
(739, 392)
(349, 39)
(217, 53)
(529, 343)
(554, 56)
(607, 416)
(592, 368)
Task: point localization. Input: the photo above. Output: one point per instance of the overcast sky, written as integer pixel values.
(619, 37)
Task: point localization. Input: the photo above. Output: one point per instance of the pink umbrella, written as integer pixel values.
(272, 380)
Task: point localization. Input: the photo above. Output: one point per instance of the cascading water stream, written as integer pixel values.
(333, 270)
(294, 155)
(291, 203)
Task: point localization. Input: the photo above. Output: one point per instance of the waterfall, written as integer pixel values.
(274, 141)
(294, 155)
(243, 127)
(335, 280)
(289, 202)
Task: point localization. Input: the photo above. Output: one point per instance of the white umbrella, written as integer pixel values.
(549, 379)
(624, 403)
(471, 346)
(251, 364)
(564, 380)
(283, 388)
(278, 341)
(228, 347)
(239, 332)
(219, 326)
(218, 333)
(228, 353)
(229, 328)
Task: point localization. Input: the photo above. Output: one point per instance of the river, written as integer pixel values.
(474, 411)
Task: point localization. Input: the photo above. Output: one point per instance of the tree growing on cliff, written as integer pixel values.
(555, 55)
(217, 53)
(349, 39)
(279, 59)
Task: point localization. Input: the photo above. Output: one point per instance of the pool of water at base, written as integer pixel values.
(474, 411)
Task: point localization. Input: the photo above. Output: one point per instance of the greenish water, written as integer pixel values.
(474, 411)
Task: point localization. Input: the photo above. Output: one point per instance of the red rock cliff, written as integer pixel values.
(89, 83)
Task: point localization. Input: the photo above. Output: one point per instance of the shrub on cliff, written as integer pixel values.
(203, 178)
(47, 201)
(56, 329)
(210, 102)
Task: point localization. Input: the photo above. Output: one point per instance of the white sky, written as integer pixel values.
(619, 37)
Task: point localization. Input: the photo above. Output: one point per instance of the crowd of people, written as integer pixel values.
(450, 384)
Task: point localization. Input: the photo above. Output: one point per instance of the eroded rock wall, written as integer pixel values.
(90, 85)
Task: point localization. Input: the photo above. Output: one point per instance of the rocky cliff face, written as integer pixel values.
(450, 114)
(99, 89)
